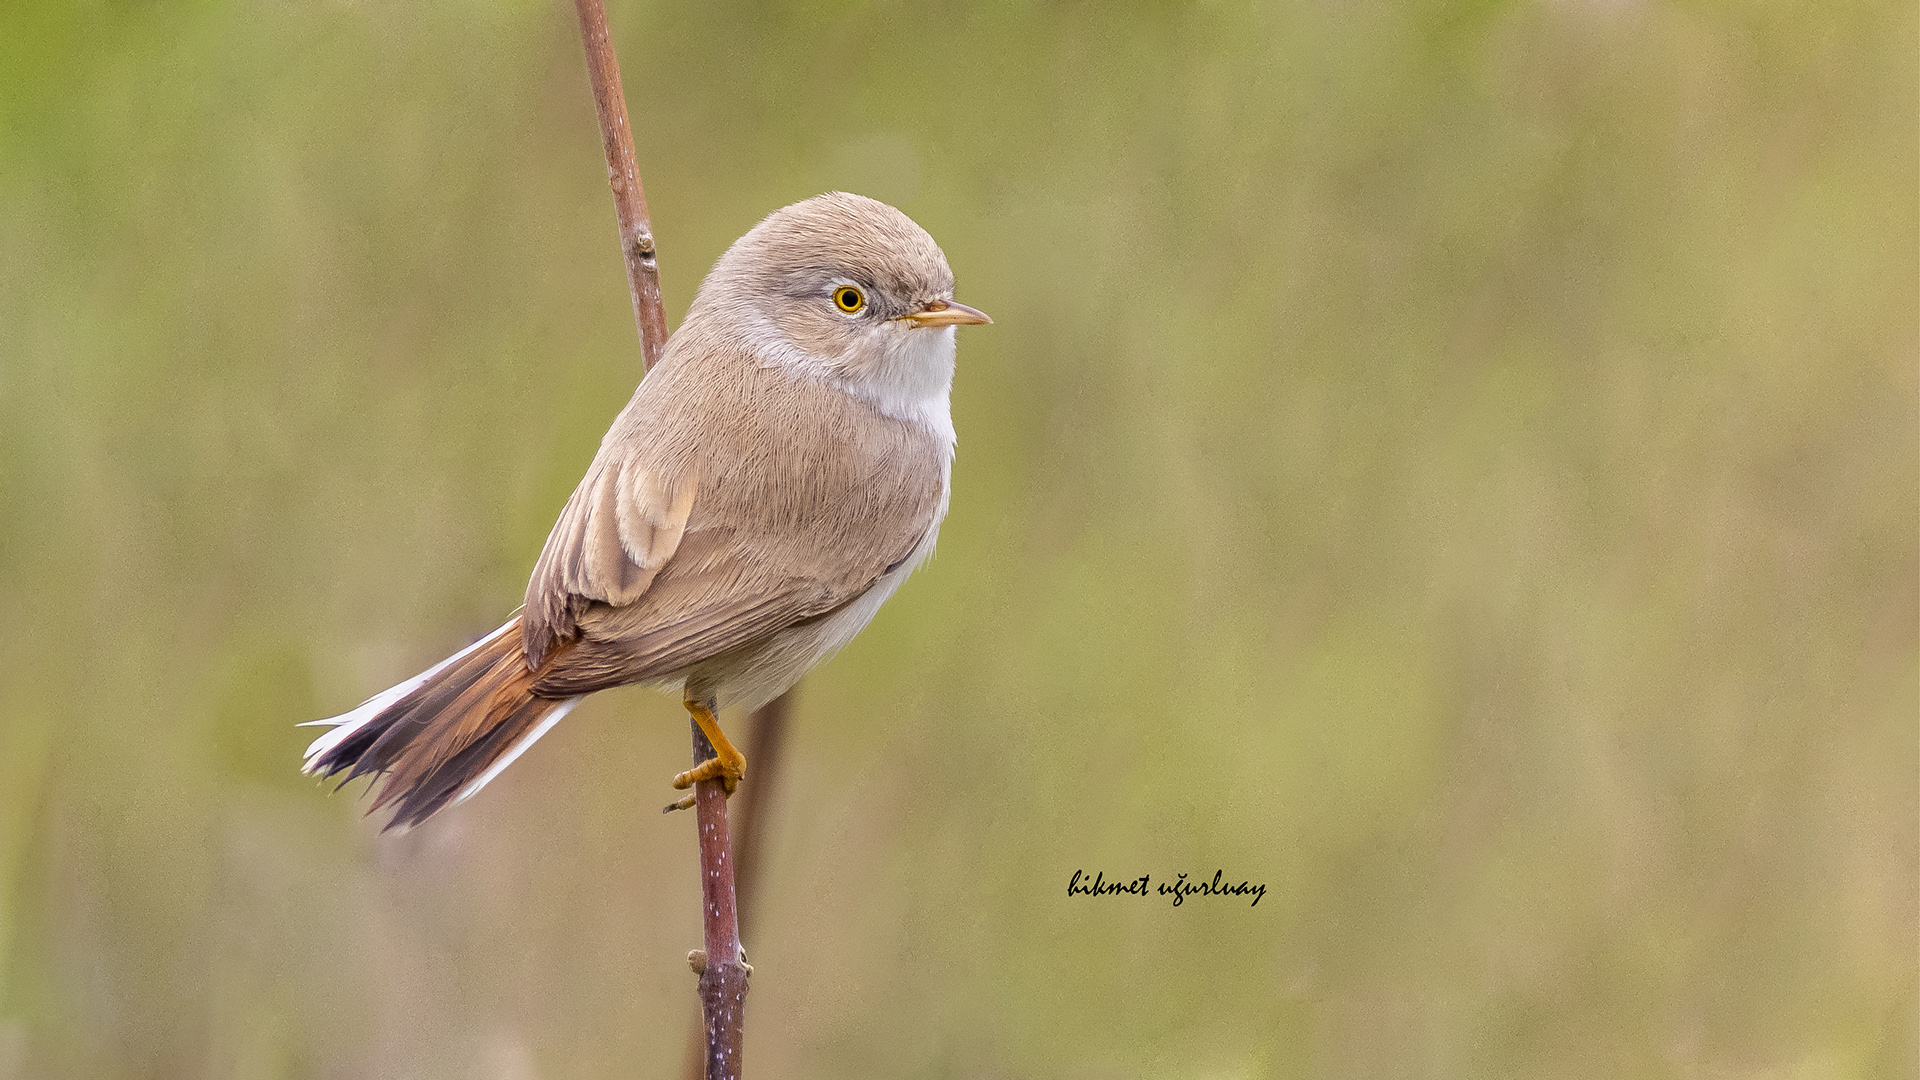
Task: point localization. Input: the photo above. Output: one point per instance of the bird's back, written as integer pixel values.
(803, 497)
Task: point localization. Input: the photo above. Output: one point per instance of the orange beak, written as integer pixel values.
(947, 313)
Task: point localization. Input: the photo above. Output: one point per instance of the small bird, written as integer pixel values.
(773, 480)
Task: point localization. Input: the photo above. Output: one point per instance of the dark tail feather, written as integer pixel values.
(442, 735)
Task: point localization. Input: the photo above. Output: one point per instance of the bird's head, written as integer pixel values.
(842, 287)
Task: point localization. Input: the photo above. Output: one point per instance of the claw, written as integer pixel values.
(714, 768)
(726, 765)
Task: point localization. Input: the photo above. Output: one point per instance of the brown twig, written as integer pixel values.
(623, 175)
(723, 975)
(766, 735)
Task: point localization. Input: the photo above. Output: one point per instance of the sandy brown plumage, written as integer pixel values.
(771, 482)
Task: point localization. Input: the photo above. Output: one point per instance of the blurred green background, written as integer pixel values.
(1454, 463)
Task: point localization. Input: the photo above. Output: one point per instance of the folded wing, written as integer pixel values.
(675, 549)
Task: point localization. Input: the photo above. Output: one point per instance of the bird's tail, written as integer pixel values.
(439, 737)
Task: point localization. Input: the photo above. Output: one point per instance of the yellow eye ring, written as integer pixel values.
(848, 299)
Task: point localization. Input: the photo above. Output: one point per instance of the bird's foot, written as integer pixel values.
(726, 765)
(710, 769)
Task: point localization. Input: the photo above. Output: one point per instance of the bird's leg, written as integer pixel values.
(728, 764)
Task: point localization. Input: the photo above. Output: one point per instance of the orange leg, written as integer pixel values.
(727, 764)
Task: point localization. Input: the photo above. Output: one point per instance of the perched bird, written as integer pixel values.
(772, 481)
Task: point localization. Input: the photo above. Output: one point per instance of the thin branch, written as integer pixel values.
(723, 977)
(766, 736)
(623, 175)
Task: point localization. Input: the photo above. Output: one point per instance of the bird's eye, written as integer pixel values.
(848, 299)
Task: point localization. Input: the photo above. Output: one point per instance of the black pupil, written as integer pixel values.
(849, 298)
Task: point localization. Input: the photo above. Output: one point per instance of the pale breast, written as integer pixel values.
(889, 479)
(755, 674)
(810, 505)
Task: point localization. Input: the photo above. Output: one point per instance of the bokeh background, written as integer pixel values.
(1454, 463)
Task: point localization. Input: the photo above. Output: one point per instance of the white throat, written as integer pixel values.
(913, 380)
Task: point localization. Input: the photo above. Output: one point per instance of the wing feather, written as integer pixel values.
(620, 527)
(675, 549)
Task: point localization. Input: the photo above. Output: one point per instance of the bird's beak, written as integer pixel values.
(947, 313)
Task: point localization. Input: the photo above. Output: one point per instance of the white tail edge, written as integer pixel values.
(347, 723)
(506, 759)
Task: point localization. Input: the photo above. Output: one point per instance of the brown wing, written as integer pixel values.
(689, 538)
(688, 617)
(620, 527)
